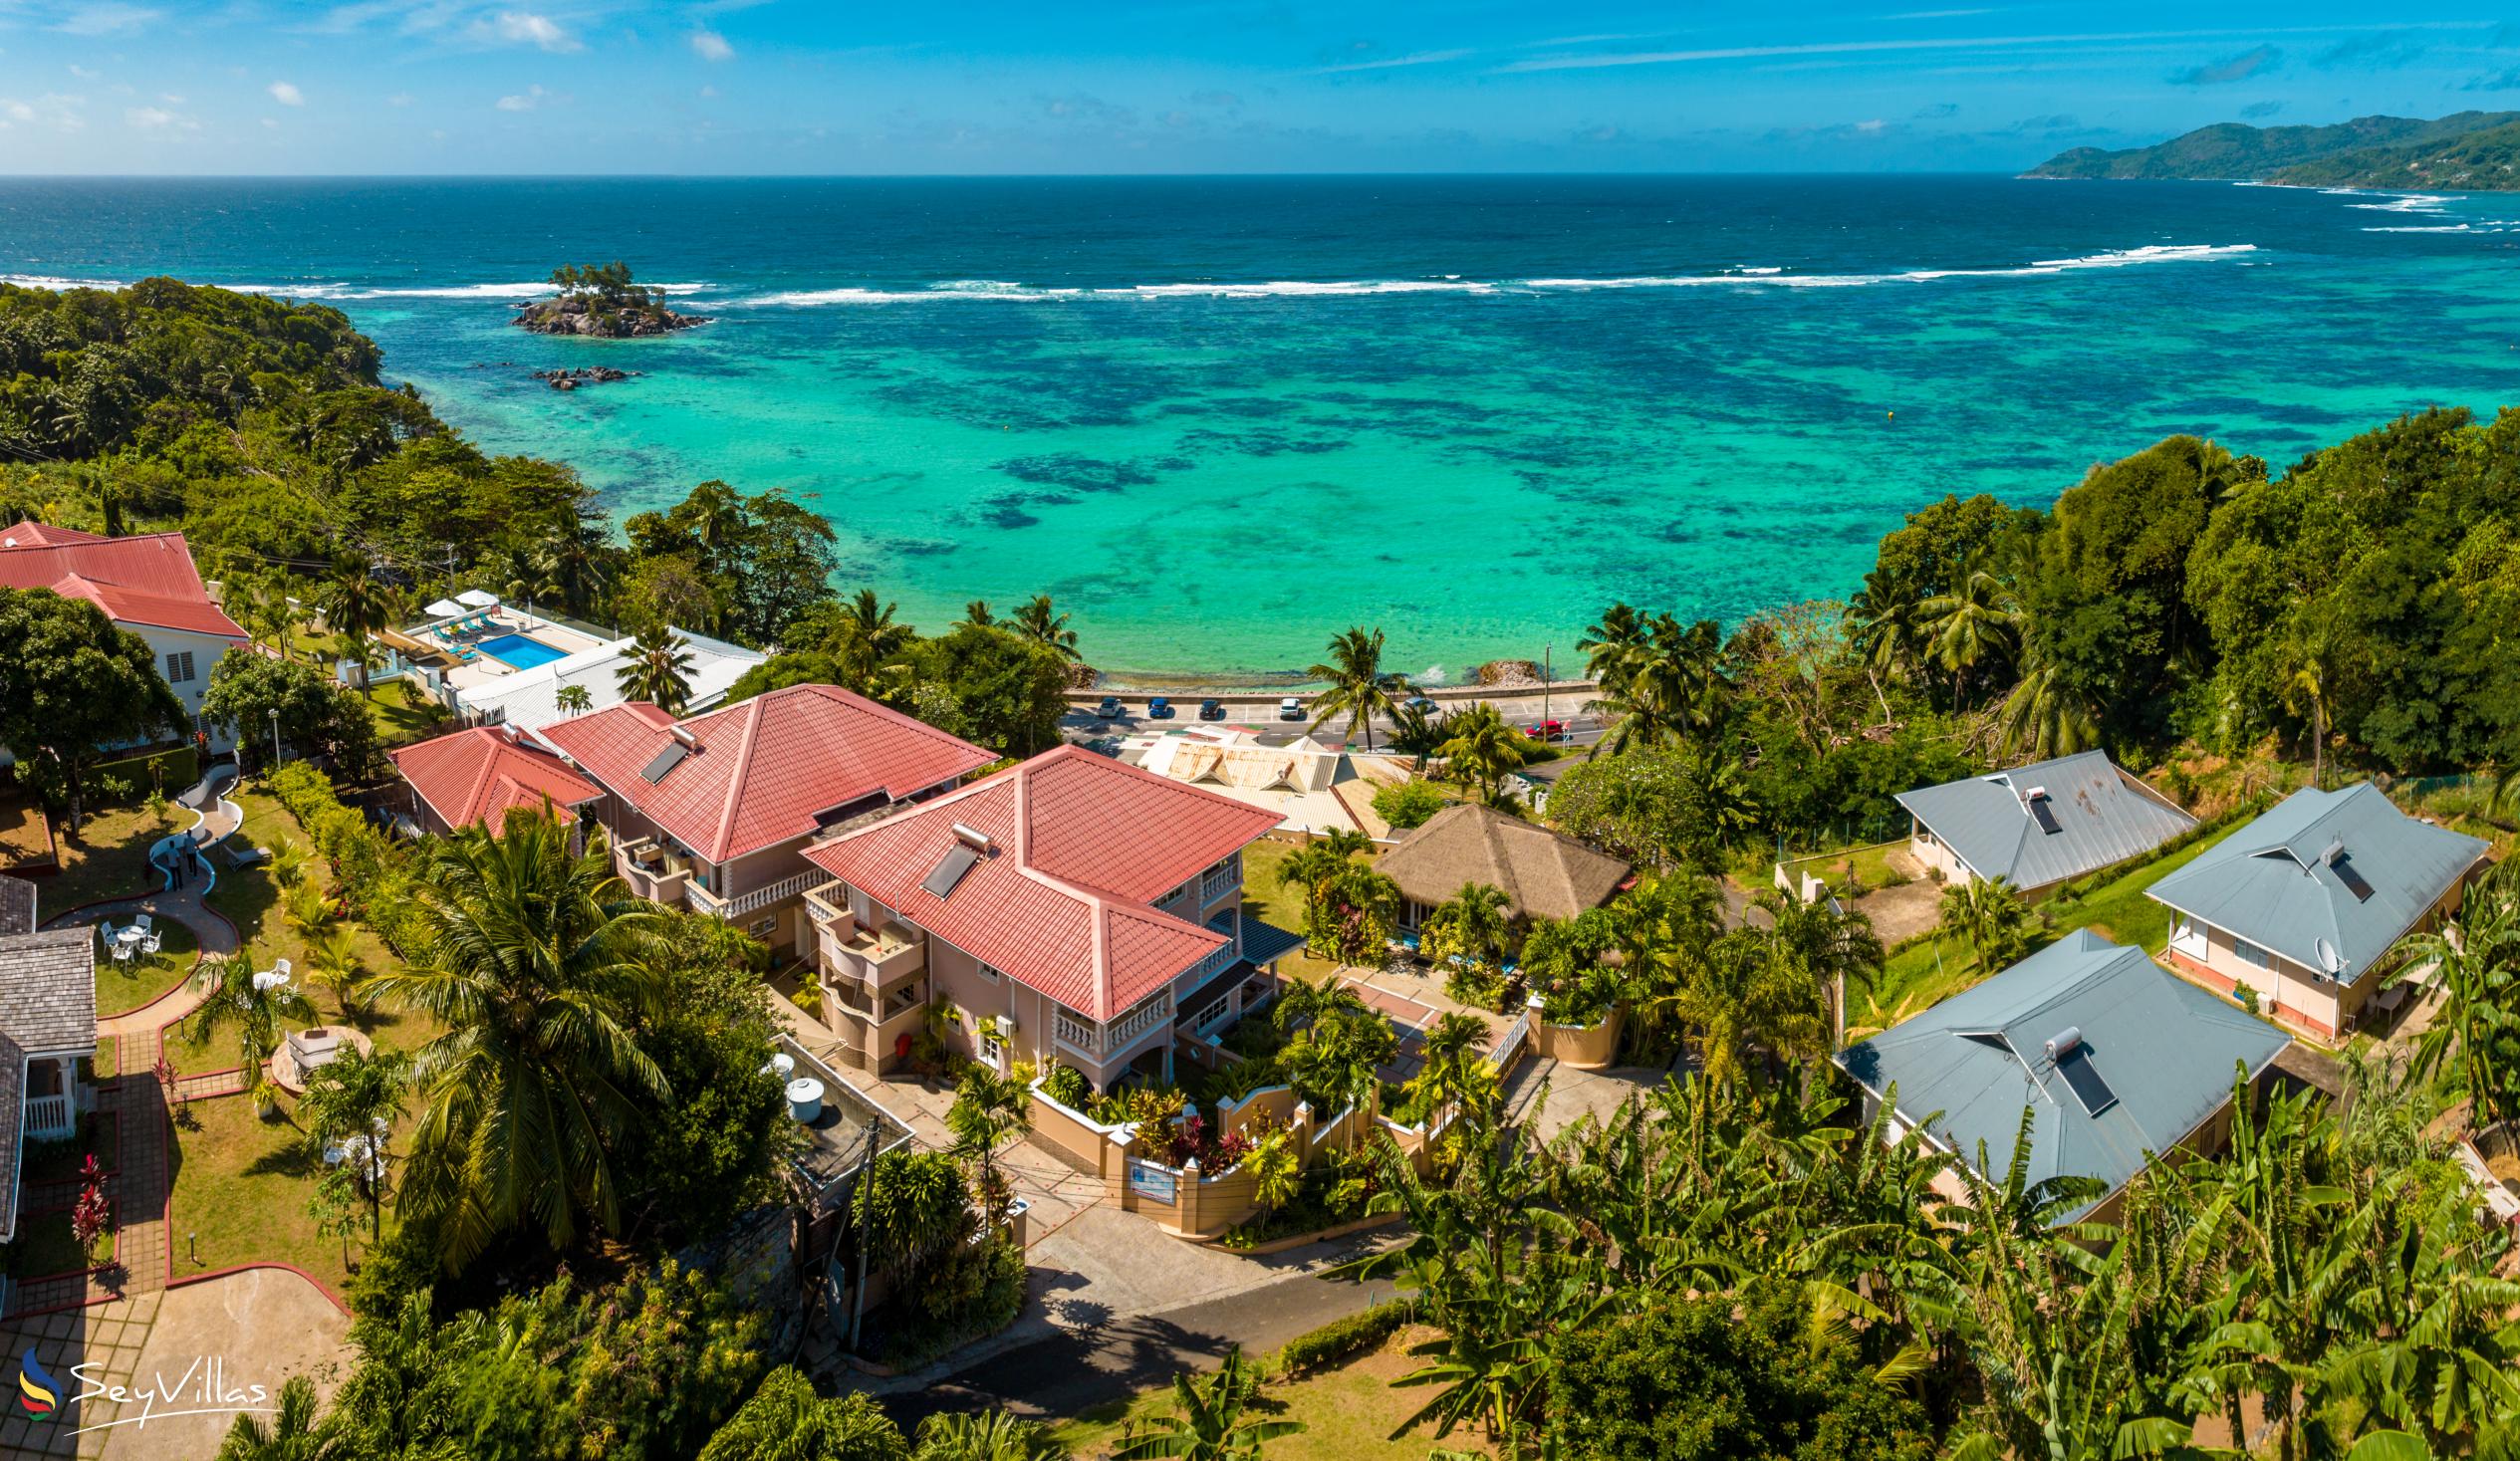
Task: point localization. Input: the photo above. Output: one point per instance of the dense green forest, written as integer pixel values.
(2357, 152)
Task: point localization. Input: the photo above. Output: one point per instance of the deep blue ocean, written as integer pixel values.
(1220, 419)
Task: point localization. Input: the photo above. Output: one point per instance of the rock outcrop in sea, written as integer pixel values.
(584, 376)
(576, 314)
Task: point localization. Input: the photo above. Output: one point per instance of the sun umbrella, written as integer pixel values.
(444, 609)
(478, 599)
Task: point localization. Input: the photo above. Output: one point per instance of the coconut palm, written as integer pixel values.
(1339, 1048)
(356, 604)
(1667, 687)
(988, 1108)
(253, 1005)
(569, 557)
(298, 1431)
(869, 637)
(1977, 623)
(977, 615)
(306, 909)
(2306, 662)
(1611, 647)
(986, 1435)
(1456, 1075)
(1210, 1422)
(658, 671)
(1038, 622)
(573, 699)
(1477, 922)
(333, 957)
(1990, 913)
(357, 1094)
(1359, 688)
(1481, 750)
(535, 961)
(2046, 715)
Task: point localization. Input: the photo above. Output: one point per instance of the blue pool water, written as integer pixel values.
(520, 652)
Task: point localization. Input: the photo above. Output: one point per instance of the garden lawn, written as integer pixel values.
(123, 988)
(109, 858)
(1871, 866)
(251, 899)
(45, 1246)
(1262, 899)
(402, 716)
(1934, 969)
(1348, 1415)
(241, 1186)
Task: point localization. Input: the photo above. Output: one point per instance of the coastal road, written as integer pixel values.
(1070, 1370)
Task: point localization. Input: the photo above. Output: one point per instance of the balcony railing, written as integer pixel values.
(46, 1117)
(704, 901)
(1096, 1041)
(1217, 882)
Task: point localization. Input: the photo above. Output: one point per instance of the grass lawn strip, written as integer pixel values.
(1933, 970)
(123, 988)
(1283, 906)
(241, 1185)
(1348, 1412)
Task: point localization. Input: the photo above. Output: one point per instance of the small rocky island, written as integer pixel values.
(600, 299)
(584, 376)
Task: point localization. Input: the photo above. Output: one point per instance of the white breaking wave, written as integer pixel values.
(2411, 203)
(534, 290)
(1760, 276)
(57, 282)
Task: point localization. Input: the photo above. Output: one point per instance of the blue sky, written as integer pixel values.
(1190, 86)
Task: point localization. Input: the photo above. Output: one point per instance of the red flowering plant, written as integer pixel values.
(92, 1217)
(1193, 1139)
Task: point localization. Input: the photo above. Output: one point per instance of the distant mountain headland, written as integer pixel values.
(2469, 151)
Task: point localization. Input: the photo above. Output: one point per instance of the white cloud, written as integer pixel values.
(524, 27)
(272, 121)
(1874, 126)
(105, 19)
(83, 72)
(1422, 58)
(709, 94)
(525, 100)
(400, 99)
(54, 112)
(710, 46)
(287, 94)
(160, 120)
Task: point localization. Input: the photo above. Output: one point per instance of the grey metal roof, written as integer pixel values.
(47, 990)
(2275, 882)
(11, 1132)
(2166, 1047)
(2101, 818)
(17, 905)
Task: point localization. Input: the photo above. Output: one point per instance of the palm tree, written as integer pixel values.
(534, 962)
(1340, 1047)
(573, 699)
(1481, 750)
(869, 638)
(658, 671)
(307, 910)
(567, 559)
(1359, 690)
(298, 1431)
(358, 1095)
(2306, 660)
(254, 1005)
(977, 615)
(2046, 715)
(1977, 623)
(987, 1435)
(1477, 922)
(1456, 1075)
(1343, 842)
(1208, 1422)
(1990, 914)
(988, 1108)
(355, 605)
(1611, 647)
(1044, 625)
(333, 955)
(1415, 733)
(1881, 622)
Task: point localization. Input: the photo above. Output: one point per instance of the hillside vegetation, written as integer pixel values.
(2368, 151)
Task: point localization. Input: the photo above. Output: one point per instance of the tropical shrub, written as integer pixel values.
(1343, 1340)
(1407, 805)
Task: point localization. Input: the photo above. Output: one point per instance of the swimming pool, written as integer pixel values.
(520, 652)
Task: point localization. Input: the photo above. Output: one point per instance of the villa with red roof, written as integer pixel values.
(146, 583)
(713, 813)
(1071, 907)
(473, 778)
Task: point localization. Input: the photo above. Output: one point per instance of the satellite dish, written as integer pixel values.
(2329, 958)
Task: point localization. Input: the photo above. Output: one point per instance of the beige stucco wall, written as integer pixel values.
(2289, 991)
(1929, 850)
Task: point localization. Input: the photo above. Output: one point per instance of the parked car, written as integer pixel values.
(1211, 710)
(1547, 730)
(1418, 703)
(1290, 708)
(1109, 709)
(1159, 708)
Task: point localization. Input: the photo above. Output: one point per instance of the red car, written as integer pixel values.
(1547, 730)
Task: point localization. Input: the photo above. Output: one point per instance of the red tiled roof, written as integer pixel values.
(475, 776)
(43, 535)
(145, 580)
(1079, 844)
(764, 768)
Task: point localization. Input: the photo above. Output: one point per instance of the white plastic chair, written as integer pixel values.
(140, 921)
(150, 944)
(105, 930)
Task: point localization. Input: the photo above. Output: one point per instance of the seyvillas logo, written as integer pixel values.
(38, 1393)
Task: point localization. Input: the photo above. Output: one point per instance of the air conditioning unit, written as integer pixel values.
(1005, 1027)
